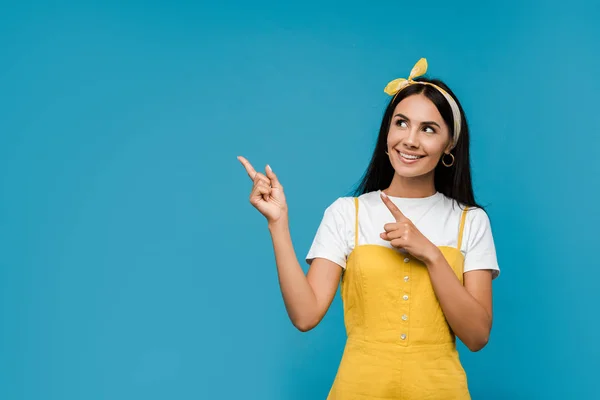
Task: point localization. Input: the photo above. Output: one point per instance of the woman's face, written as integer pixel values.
(418, 137)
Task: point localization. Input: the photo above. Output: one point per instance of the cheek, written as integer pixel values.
(434, 146)
(394, 136)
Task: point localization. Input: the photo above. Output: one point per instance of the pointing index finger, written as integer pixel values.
(249, 169)
(393, 208)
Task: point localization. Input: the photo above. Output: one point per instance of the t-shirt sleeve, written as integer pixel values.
(332, 240)
(478, 245)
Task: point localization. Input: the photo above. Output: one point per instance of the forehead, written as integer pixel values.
(419, 108)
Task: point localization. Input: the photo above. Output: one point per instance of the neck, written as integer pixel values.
(415, 187)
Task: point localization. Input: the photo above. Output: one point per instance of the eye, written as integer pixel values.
(401, 123)
(429, 129)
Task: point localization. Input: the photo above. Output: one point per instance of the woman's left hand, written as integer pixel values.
(402, 234)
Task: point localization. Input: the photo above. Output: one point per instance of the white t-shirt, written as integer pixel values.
(437, 217)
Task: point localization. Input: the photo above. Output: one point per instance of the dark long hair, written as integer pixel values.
(454, 181)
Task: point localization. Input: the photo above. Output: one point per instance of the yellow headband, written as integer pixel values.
(420, 68)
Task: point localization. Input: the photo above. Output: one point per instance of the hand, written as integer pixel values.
(402, 234)
(267, 193)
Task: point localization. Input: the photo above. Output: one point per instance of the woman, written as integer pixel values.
(414, 252)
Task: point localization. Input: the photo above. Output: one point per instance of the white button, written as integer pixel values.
(404, 317)
(405, 297)
(403, 336)
(406, 259)
(406, 279)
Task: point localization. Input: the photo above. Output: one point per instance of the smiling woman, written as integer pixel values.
(414, 253)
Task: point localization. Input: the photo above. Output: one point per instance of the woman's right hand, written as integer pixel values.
(267, 193)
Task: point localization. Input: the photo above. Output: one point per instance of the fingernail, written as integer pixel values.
(269, 167)
(384, 195)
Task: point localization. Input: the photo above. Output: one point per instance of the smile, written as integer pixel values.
(409, 157)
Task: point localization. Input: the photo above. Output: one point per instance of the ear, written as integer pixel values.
(448, 148)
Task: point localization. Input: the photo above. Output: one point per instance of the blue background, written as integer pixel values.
(132, 265)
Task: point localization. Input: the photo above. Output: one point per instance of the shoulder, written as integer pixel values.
(478, 218)
(478, 231)
(347, 204)
(339, 212)
(370, 199)
(474, 220)
(344, 209)
(341, 205)
(473, 215)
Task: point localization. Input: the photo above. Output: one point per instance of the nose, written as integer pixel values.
(412, 139)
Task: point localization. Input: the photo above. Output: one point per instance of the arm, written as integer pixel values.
(468, 308)
(307, 298)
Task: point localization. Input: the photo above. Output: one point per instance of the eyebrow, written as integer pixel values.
(422, 123)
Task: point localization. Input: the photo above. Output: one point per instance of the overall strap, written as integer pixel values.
(462, 227)
(356, 223)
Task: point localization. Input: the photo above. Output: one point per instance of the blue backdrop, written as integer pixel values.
(132, 265)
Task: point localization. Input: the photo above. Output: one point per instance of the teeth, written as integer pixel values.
(410, 157)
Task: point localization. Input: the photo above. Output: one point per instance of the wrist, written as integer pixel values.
(279, 224)
(434, 258)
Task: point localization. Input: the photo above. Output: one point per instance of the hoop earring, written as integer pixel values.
(444, 161)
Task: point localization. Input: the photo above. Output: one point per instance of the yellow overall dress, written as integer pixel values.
(399, 343)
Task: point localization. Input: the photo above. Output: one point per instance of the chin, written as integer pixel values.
(412, 171)
(411, 174)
